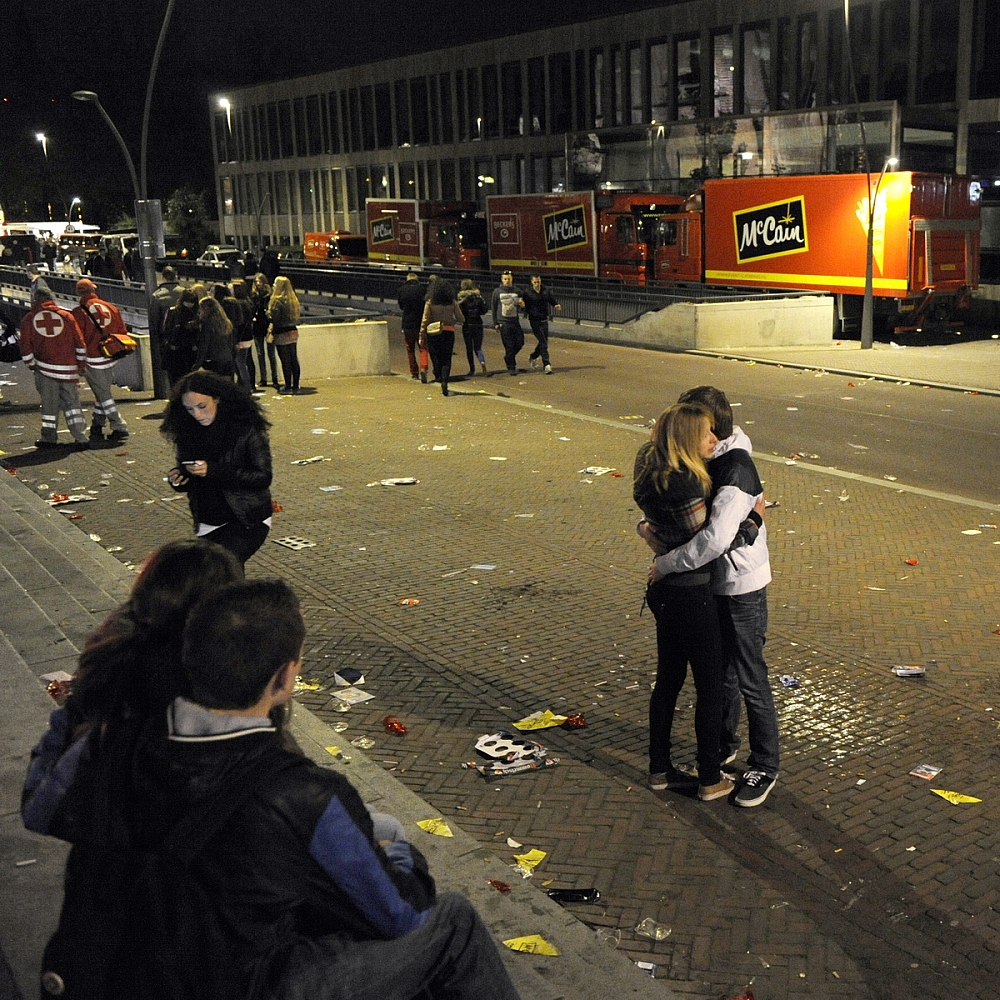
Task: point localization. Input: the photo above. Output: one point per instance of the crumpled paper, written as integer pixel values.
(955, 798)
(436, 826)
(539, 720)
(534, 944)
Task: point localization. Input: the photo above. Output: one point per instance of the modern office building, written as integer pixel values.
(654, 100)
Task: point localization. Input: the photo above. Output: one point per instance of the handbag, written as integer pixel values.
(434, 327)
(117, 345)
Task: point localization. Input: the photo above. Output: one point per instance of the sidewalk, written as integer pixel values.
(853, 880)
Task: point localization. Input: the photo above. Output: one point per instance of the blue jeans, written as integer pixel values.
(687, 631)
(743, 619)
(452, 957)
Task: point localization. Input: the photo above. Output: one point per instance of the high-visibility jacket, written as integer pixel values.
(52, 342)
(96, 320)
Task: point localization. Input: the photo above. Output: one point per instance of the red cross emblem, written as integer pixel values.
(47, 323)
(103, 313)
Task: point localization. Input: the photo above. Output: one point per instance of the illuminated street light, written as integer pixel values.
(868, 304)
(40, 136)
(228, 108)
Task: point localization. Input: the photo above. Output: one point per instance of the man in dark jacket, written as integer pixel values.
(411, 297)
(537, 302)
(326, 898)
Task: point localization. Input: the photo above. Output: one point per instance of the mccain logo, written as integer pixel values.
(565, 229)
(771, 230)
(381, 230)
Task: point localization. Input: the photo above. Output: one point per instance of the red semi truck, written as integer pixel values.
(607, 235)
(811, 232)
(409, 233)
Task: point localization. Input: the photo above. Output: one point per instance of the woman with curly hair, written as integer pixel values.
(284, 311)
(223, 460)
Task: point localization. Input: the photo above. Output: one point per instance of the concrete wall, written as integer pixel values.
(723, 325)
(336, 350)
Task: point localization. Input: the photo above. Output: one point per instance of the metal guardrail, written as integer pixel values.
(583, 299)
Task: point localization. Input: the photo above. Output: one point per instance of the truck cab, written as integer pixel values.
(458, 242)
(629, 235)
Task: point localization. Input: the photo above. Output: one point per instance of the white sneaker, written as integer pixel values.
(548, 369)
(533, 362)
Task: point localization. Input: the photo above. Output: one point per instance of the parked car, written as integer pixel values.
(293, 255)
(220, 255)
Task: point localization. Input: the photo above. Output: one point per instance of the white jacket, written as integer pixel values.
(735, 489)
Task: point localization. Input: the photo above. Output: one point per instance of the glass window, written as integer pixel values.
(937, 58)
(364, 183)
(894, 50)
(447, 113)
(985, 45)
(402, 94)
(475, 117)
(419, 111)
(618, 84)
(367, 118)
(624, 230)
(466, 185)
(485, 181)
(757, 69)
(507, 178)
(597, 86)
(659, 81)
(337, 186)
(557, 171)
(332, 123)
(784, 63)
(448, 190)
(280, 196)
(352, 191)
(837, 83)
(463, 119)
(513, 110)
(407, 181)
(580, 89)
(807, 63)
(434, 115)
(723, 72)
(345, 120)
(687, 74)
(355, 119)
(286, 128)
(860, 20)
(539, 185)
(314, 131)
(273, 146)
(561, 91)
(383, 116)
(636, 116)
(536, 94)
(228, 206)
(491, 103)
(305, 192)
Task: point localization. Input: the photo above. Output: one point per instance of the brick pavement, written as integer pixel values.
(814, 894)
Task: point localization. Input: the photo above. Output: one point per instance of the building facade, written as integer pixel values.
(652, 101)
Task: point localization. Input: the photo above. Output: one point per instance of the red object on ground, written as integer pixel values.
(392, 725)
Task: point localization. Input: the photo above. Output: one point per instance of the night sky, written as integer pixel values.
(53, 47)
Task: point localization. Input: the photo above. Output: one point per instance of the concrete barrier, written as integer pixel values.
(338, 350)
(691, 326)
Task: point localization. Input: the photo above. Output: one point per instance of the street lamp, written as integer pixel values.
(88, 96)
(868, 303)
(228, 108)
(72, 204)
(41, 137)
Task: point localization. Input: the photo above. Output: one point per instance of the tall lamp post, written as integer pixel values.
(868, 303)
(148, 218)
(69, 214)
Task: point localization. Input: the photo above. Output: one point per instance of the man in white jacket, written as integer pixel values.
(739, 579)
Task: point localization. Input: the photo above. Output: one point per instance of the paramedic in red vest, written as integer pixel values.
(53, 348)
(96, 319)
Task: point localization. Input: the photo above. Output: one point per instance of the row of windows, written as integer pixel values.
(751, 69)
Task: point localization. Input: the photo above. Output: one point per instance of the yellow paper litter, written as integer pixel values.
(540, 720)
(526, 862)
(535, 944)
(332, 751)
(954, 797)
(436, 826)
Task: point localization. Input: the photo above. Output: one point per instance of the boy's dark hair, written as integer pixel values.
(716, 401)
(237, 639)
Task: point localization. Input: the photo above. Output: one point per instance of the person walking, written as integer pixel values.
(283, 311)
(410, 298)
(473, 306)
(506, 301)
(740, 583)
(671, 486)
(537, 302)
(223, 460)
(96, 320)
(437, 330)
(52, 346)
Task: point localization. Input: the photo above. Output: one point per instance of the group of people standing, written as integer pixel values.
(432, 313)
(222, 328)
(702, 501)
